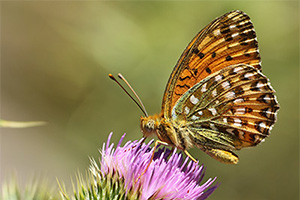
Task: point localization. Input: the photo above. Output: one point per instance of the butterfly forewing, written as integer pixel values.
(236, 101)
(228, 40)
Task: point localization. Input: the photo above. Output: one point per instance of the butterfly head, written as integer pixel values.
(149, 125)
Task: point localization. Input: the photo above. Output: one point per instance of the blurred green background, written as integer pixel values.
(55, 57)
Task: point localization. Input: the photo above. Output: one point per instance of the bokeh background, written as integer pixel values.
(55, 57)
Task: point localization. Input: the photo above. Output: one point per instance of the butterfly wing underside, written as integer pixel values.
(217, 98)
(228, 40)
(231, 109)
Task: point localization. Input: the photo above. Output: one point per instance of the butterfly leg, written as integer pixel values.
(190, 156)
(224, 156)
(157, 142)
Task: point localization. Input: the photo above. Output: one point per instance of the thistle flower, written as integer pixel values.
(166, 178)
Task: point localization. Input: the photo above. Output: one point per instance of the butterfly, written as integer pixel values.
(216, 98)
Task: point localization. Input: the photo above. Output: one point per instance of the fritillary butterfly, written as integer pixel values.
(216, 98)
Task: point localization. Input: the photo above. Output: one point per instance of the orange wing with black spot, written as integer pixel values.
(228, 40)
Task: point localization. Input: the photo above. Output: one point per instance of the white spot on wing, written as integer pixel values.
(259, 85)
(263, 125)
(174, 113)
(226, 85)
(217, 32)
(218, 78)
(237, 122)
(267, 98)
(269, 112)
(200, 112)
(214, 93)
(240, 111)
(234, 35)
(239, 100)
(186, 110)
(275, 115)
(194, 117)
(203, 88)
(232, 26)
(230, 95)
(213, 111)
(194, 100)
(237, 69)
(225, 120)
(248, 75)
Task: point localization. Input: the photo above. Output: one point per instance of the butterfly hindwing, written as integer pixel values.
(237, 101)
(228, 40)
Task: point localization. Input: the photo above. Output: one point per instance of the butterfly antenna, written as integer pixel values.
(141, 103)
(142, 108)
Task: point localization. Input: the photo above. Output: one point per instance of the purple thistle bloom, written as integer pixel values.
(166, 178)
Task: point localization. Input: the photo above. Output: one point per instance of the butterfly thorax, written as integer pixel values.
(174, 133)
